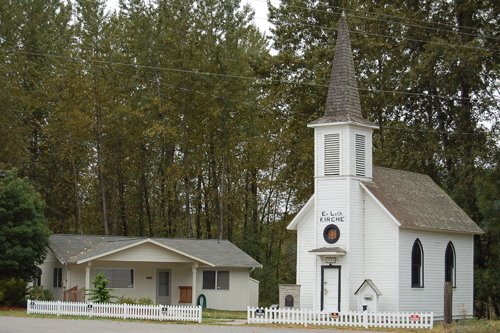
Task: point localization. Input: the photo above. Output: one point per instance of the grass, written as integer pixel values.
(212, 316)
(469, 326)
(224, 315)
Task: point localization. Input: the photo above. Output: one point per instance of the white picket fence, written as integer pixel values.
(111, 310)
(350, 318)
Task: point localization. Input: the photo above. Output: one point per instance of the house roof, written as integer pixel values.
(371, 284)
(342, 102)
(75, 249)
(416, 201)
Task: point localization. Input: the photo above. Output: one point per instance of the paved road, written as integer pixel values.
(46, 325)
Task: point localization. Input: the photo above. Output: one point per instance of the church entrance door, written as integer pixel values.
(330, 284)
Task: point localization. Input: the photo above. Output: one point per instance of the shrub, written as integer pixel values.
(39, 293)
(126, 300)
(129, 300)
(145, 301)
(12, 292)
(100, 294)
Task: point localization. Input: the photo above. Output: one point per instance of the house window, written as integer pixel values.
(57, 280)
(213, 279)
(332, 154)
(417, 265)
(222, 280)
(449, 264)
(118, 277)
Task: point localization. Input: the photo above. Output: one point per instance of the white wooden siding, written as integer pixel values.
(430, 297)
(347, 136)
(47, 278)
(381, 253)
(145, 278)
(367, 133)
(147, 252)
(253, 292)
(306, 264)
(319, 148)
(332, 196)
(355, 247)
(145, 282)
(236, 298)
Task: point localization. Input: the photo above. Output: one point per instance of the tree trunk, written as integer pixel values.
(198, 208)
(78, 212)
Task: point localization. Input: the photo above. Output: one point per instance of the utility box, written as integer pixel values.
(368, 296)
(289, 296)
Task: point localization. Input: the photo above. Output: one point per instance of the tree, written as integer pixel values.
(24, 232)
(100, 294)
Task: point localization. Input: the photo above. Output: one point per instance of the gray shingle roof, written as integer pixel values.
(76, 248)
(416, 201)
(342, 102)
(328, 250)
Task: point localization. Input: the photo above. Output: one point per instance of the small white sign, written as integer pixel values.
(330, 260)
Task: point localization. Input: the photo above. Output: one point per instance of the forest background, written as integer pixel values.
(174, 118)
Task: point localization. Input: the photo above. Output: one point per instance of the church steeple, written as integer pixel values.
(342, 102)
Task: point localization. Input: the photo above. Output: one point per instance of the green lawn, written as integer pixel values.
(223, 315)
(211, 316)
(469, 326)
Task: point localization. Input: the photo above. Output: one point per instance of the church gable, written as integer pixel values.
(305, 214)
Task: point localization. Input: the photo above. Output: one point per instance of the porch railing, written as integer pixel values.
(350, 318)
(111, 310)
(74, 294)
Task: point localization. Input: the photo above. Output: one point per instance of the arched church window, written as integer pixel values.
(417, 265)
(449, 264)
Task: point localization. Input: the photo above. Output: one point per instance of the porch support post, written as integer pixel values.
(68, 277)
(87, 280)
(193, 291)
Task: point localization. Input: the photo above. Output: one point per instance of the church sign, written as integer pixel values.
(327, 216)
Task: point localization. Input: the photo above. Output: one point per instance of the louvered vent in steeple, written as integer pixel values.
(360, 155)
(332, 154)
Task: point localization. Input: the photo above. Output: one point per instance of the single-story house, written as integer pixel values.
(165, 270)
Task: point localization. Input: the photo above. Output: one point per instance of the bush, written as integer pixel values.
(39, 293)
(126, 300)
(13, 292)
(100, 294)
(129, 300)
(145, 301)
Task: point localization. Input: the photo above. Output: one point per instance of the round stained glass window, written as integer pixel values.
(331, 233)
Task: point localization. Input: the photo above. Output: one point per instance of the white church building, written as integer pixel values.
(373, 238)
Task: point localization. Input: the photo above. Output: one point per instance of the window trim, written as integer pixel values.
(454, 267)
(417, 244)
(216, 282)
(110, 286)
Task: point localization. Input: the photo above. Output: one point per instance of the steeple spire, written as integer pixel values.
(342, 102)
